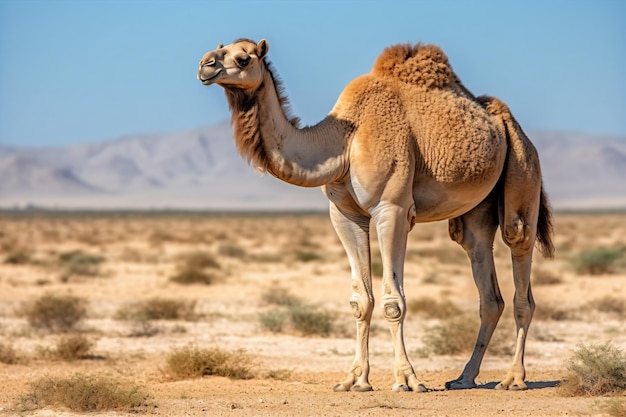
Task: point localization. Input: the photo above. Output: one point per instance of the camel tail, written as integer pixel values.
(521, 180)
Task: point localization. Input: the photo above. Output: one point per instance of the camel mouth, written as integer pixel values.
(210, 80)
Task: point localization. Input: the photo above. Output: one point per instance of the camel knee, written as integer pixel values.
(361, 309)
(492, 309)
(518, 235)
(393, 310)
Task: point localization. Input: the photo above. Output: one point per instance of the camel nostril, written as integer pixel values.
(209, 63)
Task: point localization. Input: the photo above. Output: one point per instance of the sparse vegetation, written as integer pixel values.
(554, 312)
(597, 261)
(73, 347)
(56, 312)
(430, 308)
(308, 256)
(196, 268)
(192, 362)
(610, 304)
(157, 308)
(280, 296)
(8, 355)
(614, 407)
(79, 263)
(83, 393)
(544, 277)
(292, 313)
(18, 256)
(454, 335)
(596, 369)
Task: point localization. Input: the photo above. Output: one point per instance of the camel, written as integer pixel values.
(406, 143)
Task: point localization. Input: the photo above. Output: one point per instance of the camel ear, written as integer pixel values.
(262, 48)
(220, 46)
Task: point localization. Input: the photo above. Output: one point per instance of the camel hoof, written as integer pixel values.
(340, 388)
(460, 384)
(517, 386)
(400, 388)
(421, 388)
(361, 388)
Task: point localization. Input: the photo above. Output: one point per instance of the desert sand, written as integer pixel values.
(300, 254)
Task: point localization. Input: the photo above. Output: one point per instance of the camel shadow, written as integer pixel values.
(530, 385)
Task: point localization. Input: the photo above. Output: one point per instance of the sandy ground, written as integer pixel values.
(299, 253)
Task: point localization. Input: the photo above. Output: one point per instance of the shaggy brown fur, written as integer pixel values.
(404, 144)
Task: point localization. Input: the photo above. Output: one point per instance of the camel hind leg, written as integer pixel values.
(519, 214)
(475, 232)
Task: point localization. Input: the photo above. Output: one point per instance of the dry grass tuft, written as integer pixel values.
(79, 263)
(83, 393)
(158, 308)
(457, 334)
(614, 407)
(56, 312)
(452, 336)
(430, 308)
(8, 355)
(609, 304)
(73, 347)
(597, 369)
(196, 268)
(191, 362)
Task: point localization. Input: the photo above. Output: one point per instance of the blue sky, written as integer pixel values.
(83, 71)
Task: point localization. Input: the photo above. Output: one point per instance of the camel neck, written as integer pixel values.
(308, 157)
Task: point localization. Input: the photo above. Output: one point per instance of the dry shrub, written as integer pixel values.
(308, 256)
(597, 369)
(73, 347)
(280, 296)
(83, 393)
(8, 355)
(56, 312)
(279, 374)
(305, 319)
(18, 256)
(457, 334)
(454, 335)
(79, 263)
(610, 304)
(309, 320)
(552, 312)
(232, 250)
(614, 407)
(430, 308)
(192, 362)
(193, 269)
(158, 308)
(543, 277)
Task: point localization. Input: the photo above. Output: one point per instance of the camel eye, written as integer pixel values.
(243, 62)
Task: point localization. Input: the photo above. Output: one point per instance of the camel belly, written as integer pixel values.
(439, 201)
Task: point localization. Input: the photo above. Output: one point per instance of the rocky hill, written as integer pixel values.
(200, 169)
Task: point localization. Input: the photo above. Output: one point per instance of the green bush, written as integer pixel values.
(597, 261)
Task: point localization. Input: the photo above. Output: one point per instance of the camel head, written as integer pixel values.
(236, 65)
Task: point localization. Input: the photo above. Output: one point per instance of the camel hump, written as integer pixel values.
(422, 65)
(495, 106)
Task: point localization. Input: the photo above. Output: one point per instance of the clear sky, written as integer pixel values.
(76, 71)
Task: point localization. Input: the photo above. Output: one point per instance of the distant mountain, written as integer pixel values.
(200, 169)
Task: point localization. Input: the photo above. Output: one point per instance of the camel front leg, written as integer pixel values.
(353, 231)
(393, 224)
